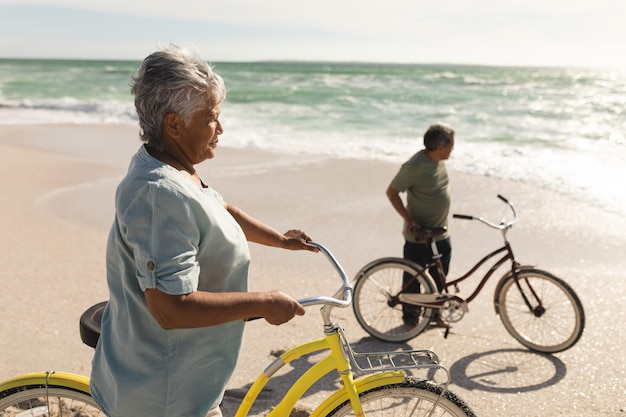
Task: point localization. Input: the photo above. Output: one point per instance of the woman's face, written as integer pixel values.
(198, 139)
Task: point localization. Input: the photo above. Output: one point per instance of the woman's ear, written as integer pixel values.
(171, 124)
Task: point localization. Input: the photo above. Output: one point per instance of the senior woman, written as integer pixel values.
(177, 257)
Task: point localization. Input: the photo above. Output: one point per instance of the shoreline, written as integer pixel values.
(57, 206)
(76, 146)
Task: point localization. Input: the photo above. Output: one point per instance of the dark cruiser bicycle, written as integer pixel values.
(539, 310)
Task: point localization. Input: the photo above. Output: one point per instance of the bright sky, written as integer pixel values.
(494, 32)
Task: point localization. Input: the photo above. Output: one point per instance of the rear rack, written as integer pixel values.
(391, 361)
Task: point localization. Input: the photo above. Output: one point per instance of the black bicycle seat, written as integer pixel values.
(90, 324)
(428, 232)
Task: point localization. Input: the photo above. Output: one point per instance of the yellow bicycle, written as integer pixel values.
(384, 386)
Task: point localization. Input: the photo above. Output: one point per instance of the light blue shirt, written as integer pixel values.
(171, 235)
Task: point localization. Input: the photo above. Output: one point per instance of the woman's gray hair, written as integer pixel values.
(173, 80)
(438, 134)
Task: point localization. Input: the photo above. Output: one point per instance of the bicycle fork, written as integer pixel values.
(539, 310)
(516, 268)
(344, 369)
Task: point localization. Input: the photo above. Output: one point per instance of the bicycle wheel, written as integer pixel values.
(556, 320)
(373, 303)
(53, 401)
(412, 397)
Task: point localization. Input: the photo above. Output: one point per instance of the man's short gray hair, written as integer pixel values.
(438, 134)
(173, 80)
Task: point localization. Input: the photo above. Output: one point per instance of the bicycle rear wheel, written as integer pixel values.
(556, 319)
(51, 401)
(410, 398)
(376, 285)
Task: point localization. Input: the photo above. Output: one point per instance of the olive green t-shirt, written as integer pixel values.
(428, 191)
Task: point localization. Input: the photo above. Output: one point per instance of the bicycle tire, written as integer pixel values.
(412, 397)
(372, 291)
(30, 400)
(557, 326)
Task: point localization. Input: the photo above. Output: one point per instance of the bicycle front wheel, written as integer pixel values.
(555, 319)
(374, 306)
(51, 401)
(412, 397)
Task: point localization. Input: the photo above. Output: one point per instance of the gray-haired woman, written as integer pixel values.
(177, 256)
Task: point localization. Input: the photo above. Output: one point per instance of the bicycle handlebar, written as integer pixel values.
(503, 199)
(463, 216)
(501, 226)
(343, 296)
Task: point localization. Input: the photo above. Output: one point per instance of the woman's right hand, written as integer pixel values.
(280, 308)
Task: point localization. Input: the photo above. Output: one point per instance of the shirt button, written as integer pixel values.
(150, 265)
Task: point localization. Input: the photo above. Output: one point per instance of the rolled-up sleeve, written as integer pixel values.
(160, 229)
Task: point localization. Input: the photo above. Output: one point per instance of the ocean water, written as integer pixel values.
(562, 129)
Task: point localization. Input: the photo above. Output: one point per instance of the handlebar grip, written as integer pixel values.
(462, 216)
(503, 199)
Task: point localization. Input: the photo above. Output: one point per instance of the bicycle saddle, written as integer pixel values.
(90, 324)
(427, 232)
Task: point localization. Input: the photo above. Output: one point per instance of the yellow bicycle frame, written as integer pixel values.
(339, 357)
(336, 360)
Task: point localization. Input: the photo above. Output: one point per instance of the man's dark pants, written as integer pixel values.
(422, 254)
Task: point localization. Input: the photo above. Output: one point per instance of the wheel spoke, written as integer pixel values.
(372, 308)
(412, 398)
(31, 401)
(559, 322)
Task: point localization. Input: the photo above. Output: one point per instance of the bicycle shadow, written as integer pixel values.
(507, 371)
(276, 388)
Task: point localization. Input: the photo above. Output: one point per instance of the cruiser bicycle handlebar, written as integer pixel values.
(501, 226)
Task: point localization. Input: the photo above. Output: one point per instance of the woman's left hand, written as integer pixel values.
(298, 240)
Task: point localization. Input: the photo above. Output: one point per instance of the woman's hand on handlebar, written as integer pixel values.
(298, 240)
(279, 307)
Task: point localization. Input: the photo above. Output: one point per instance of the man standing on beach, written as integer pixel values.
(424, 178)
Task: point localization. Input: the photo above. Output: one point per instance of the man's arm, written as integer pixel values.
(393, 194)
(394, 197)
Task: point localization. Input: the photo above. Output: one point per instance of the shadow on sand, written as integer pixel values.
(507, 371)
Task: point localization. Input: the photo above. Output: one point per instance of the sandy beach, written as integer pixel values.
(56, 206)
